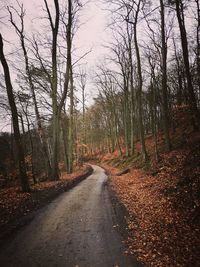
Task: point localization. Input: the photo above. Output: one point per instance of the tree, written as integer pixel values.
(56, 104)
(20, 32)
(184, 42)
(198, 44)
(139, 5)
(164, 78)
(21, 161)
(54, 28)
(82, 80)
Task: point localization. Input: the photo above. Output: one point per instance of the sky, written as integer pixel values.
(90, 36)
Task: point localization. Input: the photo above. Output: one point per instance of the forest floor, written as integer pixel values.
(17, 208)
(162, 199)
(76, 229)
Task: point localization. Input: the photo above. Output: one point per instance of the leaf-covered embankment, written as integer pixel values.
(163, 204)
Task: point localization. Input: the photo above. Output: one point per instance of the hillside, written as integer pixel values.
(162, 198)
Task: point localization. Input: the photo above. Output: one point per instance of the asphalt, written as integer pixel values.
(74, 230)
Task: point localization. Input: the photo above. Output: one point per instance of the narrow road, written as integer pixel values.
(75, 229)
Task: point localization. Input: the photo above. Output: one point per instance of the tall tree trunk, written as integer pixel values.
(131, 89)
(117, 143)
(164, 79)
(140, 84)
(153, 107)
(23, 136)
(179, 96)
(126, 116)
(54, 88)
(71, 124)
(198, 44)
(184, 42)
(69, 81)
(65, 127)
(21, 161)
(41, 132)
(32, 149)
(84, 122)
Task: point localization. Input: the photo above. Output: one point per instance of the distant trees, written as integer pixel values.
(149, 68)
(109, 100)
(148, 82)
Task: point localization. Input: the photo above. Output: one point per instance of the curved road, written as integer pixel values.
(74, 230)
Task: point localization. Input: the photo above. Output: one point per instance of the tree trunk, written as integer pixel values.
(54, 86)
(164, 79)
(184, 42)
(32, 88)
(56, 130)
(69, 74)
(32, 150)
(179, 95)
(140, 84)
(70, 131)
(126, 115)
(129, 35)
(64, 126)
(21, 161)
(198, 45)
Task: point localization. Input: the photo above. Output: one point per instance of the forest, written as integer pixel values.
(136, 112)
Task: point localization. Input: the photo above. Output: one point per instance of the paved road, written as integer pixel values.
(76, 229)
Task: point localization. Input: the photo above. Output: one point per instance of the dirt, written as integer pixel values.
(78, 228)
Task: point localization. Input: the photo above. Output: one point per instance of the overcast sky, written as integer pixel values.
(92, 34)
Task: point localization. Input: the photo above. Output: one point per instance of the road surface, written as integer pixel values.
(76, 229)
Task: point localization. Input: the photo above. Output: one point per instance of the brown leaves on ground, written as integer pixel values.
(164, 209)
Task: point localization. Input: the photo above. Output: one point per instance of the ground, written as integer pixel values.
(162, 199)
(75, 229)
(17, 208)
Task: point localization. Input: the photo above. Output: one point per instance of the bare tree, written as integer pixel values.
(54, 86)
(132, 18)
(164, 78)
(21, 161)
(184, 42)
(20, 32)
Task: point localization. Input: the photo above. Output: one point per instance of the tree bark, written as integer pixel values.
(198, 45)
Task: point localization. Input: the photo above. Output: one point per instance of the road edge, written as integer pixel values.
(16, 224)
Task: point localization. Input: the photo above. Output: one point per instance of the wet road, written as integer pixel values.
(76, 229)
